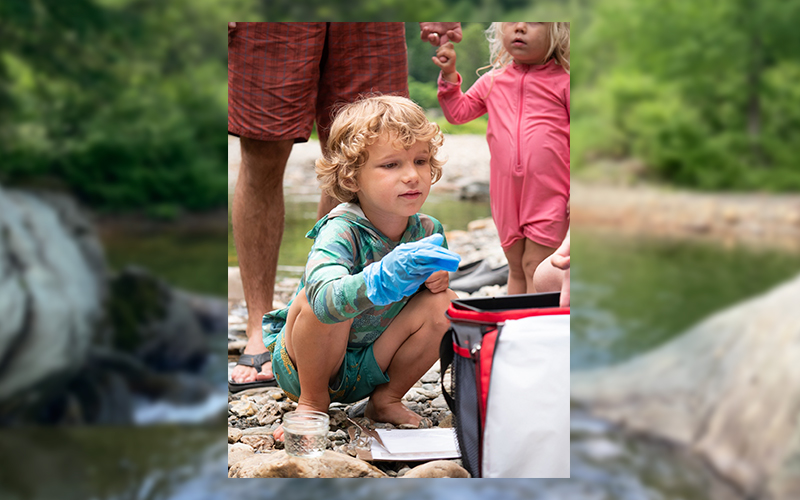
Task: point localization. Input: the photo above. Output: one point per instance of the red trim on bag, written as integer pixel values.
(461, 351)
(484, 374)
(501, 316)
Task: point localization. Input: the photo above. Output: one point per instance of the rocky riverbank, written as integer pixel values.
(753, 220)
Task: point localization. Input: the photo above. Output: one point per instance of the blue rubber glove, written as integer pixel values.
(401, 272)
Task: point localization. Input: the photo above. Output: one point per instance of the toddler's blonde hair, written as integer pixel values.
(359, 125)
(559, 46)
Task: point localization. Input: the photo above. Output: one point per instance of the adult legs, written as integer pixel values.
(361, 59)
(258, 216)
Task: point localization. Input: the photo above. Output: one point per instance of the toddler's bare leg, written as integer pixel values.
(516, 272)
(408, 348)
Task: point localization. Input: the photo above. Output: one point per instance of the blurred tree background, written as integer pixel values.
(122, 101)
(703, 93)
(118, 101)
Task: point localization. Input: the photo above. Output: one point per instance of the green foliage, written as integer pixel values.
(475, 127)
(701, 92)
(423, 94)
(121, 100)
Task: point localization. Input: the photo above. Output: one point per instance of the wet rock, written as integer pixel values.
(279, 464)
(52, 285)
(725, 389)
(155, 323)
(438, 468)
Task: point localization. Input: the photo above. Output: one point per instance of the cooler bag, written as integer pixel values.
(509, 390)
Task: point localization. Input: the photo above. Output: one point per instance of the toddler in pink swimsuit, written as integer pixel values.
(526, 94)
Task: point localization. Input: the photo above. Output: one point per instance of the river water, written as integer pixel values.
(630, 295)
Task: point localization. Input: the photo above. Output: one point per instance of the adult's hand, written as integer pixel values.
(440, 33)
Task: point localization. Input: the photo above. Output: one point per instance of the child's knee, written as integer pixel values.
(437, 304)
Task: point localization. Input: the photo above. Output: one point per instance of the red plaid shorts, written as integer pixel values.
(283, 76)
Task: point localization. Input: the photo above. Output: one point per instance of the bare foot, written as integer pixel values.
(242, 373)
(394, 413)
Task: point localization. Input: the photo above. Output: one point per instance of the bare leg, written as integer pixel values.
(257, 219)
(317, 351)
(408, 348)
(516, 273)
(533, 256)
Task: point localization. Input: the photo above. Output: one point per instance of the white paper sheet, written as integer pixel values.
(413, 444)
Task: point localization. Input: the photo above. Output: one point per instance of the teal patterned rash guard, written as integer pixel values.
(345, 242)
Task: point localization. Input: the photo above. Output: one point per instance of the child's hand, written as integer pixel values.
(445, 58)
(401, 272)
(438, 281)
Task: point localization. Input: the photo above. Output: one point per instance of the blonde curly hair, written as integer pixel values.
(559, 45)
(359, 125)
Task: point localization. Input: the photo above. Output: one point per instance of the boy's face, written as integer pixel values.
(526, 42)
(394, 182)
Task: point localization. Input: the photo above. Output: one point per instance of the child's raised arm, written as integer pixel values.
(445, 58)
(335, 295)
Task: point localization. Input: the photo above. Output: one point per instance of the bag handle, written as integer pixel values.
(446, 354)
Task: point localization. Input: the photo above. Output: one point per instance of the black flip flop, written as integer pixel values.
(256, 361)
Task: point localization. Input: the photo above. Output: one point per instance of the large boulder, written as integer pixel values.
(76, 342)
(52, 285)
(154, 322)
(279, 464)
(728, 390)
